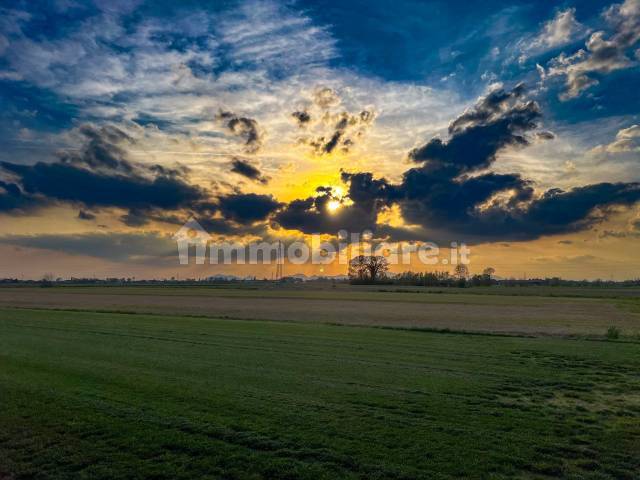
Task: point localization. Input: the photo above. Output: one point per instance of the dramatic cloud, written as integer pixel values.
(558, 211)
(247, 208)
(448, 190)
(369, 193)
(367, 197)
(451, 196)
(243, 127)
(100, 175)
(73, 184)
(246, 169)
(312, 215)
(604, 52)
(499, 120)
(152, 248)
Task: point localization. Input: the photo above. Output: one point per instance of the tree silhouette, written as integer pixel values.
(489, 271)
(368, 268)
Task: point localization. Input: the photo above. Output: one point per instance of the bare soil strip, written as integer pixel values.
(557, 317)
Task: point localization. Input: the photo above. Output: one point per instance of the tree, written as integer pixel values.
(461, 271)
(488, 272)
(377, 266)
(368, 268)
(358, 269)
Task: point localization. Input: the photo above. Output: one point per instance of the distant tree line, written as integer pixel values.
(368, 269)
(486, 279)
(459, 278)
(362, 270)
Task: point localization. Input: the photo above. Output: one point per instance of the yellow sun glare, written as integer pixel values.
(333, 205)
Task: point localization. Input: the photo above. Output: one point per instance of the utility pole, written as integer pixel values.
(279, 262)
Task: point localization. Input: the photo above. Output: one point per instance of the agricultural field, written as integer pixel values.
(530, 311)
(155, 383)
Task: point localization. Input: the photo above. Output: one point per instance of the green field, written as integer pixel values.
(107, 395)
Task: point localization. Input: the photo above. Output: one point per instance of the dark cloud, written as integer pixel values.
(118, 247)
(99, 175)
(302, 117)
(488, 108)
(499, 120)
(556, 211)
(103, 151)
(13, 199)
(205, 214)
(311, 215)
(452, 196)
(553, 212)
(246, 169)
(247, 208)
(224, 227)
(135, 218)
(371, 193)
(245, 128)
(85, 215)
(333, 142)
(449, 191)
(75, 184)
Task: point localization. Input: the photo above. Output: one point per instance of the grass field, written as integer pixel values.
(105, 395)
(174, 382)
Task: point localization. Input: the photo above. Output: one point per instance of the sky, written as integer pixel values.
(512, 127)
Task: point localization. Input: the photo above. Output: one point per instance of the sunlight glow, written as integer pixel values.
(333, 206)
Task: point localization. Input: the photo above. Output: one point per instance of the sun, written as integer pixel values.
(333, 206)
